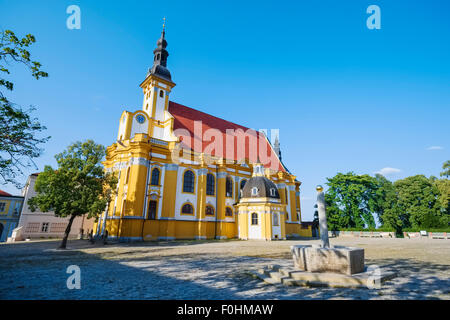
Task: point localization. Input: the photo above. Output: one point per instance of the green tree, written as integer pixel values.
(19, 143)
(443, 186)
(78, 186)
(446, 168)
(388, 211)
(418, 200)
(351, 201)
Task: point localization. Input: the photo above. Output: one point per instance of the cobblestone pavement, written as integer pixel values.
(209, 270)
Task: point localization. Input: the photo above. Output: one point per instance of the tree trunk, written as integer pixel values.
(66, 233)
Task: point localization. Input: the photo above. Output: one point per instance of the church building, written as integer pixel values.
(185, 174)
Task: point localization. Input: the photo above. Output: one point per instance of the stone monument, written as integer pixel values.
(323, 257)
(324, 265)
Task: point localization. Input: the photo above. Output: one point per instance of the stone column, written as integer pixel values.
(220, 214)
(322, 217)
(201, 202)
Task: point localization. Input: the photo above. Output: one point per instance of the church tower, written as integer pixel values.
(276, 147)
(157, 87)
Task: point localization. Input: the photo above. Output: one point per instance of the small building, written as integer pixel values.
(261, 213)
(39, 224)
(10, 208)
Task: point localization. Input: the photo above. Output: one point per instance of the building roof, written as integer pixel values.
(185, 118)
(263, 186)
(5, 194)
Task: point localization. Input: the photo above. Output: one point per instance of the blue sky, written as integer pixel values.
(345, 98)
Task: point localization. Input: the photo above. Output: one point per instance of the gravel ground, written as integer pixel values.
(210, 270)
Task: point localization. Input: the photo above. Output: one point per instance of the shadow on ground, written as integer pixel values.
(38, 271)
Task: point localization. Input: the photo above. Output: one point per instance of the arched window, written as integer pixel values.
(241, 186)
(210, 184)
(229, 187)
(209, 211)
(187, 209)
(228, 212)
(155, 177)
(152, 205)
(161, 93)
(254, 218)
(188, 181)
(272, 192)
(276, 219)
(255, 191)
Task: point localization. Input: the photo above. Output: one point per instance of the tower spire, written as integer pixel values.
(159, 67)
(276, 147)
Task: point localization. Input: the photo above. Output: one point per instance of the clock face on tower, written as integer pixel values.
(140, 118)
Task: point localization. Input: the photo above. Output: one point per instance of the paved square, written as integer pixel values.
(210, 270)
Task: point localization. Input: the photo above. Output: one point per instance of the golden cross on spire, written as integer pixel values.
(164, 23)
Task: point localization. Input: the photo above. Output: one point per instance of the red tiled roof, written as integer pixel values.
(5, 194)
(185, 118)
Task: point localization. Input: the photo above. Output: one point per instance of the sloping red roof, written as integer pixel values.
(191, 125)
(5, 194)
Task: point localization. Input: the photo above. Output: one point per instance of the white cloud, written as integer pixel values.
(435, 148)
(388, 171)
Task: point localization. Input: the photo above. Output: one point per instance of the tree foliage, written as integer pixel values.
(18, 129)
(78, 186)
(446, 168)
(417, 198)
(353, 201)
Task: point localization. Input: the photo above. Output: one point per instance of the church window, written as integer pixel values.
(155, 177)
(254, 191)
(254, 218)
(187, 209)
(272, 192)
(188, 181)
(229, 187)
(276, 220)
(2, 206)
(161, 93)
(242, 185)
(152, 205)
(228, 212)
(209, 211)
(210, 184)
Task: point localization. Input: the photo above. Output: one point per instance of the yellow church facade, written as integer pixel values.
(182, 174)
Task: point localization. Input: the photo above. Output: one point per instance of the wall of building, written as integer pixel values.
(10, 208)
(39, 224)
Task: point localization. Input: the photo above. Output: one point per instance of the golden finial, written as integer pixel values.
(164, 23)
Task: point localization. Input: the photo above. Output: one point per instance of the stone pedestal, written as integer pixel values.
(338, 259)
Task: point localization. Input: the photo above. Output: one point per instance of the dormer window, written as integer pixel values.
(272, 192)
(255, 191)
